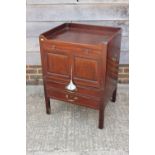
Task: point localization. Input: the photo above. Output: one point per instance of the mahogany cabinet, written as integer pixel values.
(80, 65)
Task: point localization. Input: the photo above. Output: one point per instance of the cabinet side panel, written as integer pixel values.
(112, 66)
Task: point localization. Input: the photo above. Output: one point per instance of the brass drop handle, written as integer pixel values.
(71, 99)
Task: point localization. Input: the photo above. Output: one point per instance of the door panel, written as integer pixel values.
(57, 63)
(86, 71)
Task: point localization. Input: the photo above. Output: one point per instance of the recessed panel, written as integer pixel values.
(85, 68)
(57, 63)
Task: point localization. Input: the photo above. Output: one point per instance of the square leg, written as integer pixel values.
(47, 101)
(114, 95)
(101, 117)
(48, 106)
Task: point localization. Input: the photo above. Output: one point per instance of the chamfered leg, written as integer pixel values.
(114, 95)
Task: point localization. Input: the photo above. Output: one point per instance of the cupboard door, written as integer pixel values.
(57, 64)
(87, 71)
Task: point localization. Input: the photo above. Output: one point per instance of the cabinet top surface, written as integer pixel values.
(80, 33)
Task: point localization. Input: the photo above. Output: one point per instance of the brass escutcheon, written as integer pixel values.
(71, 99)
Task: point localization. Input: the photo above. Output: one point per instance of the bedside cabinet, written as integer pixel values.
(80, 65)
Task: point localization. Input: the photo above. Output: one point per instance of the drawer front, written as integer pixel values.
(68, 46)
(76, 51)
(82, 91)
(88, 53)
(72, 98)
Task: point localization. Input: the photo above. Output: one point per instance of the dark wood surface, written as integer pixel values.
(92, 53)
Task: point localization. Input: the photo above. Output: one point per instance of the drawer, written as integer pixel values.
(76, 51)
(72, 98)
(83, 91)
(87, 53)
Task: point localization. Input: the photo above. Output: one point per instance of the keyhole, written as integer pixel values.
(77, 0)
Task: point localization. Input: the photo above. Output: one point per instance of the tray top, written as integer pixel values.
(80, 33)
